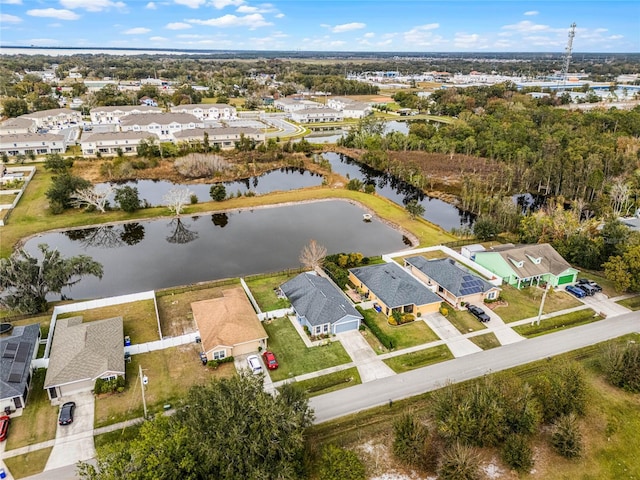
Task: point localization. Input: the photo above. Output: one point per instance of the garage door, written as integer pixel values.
(346, 326)
(565, 279)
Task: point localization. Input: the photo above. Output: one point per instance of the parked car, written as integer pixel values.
(586, 288)
(586, 281)
(66, 413)
(577, 292)
(478, 313)
(270, 360)
(4, 427)
(254, 364)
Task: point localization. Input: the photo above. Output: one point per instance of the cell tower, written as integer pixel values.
(567, 54)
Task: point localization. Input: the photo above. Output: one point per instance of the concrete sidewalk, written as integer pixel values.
(369, 365)
(457, 343)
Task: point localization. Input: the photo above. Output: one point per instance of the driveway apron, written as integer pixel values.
(459, 345)
(370, 367)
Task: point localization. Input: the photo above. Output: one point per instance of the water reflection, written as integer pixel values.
(220, 219)
(181, 233)
(132, 233)
(107, 236)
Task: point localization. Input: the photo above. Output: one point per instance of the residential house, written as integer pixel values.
(525, 265)
(36, 143)
(349, 108)
(320, 305)
(148, 101)
(81, 352)
(111, 143)
(317, 115)
(394, 289)
(228, 325)
(17, 126)
(55, 118)
(163, 125)
(452, 281)
(290, 105)
(223, 137)
(115, 114)
(208, 111)
(18, 351)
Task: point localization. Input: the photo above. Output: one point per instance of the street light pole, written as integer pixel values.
(544, 296)
(142, 384)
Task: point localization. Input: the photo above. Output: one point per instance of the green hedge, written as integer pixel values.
(373, 326)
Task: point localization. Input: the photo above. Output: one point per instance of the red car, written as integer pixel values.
(270, 360)
(4, 426)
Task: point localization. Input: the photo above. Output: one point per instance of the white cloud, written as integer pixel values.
(369, 35)
(531, 13)
(12, 2)
(151, 6)
(92, 5)
(470, 41)
(6, 18)
(220, 4)
(337, 43)
(526, 26)
(347, 27)
(423, 36)
(280, 15)
(60, 14)
(252, 21)
(177, 26)
(263, 8)
(54, 25)
(159, 39)
(137, 31)
(191, 3)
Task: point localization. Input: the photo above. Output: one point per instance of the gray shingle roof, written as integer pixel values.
(522, 260)
(317, 299)
(394, 286)
(17, 353)
(451, 276)
(160, 119)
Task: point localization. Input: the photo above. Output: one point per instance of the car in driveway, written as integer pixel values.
(478, 313)
(4, 427)
(270, 360)
(66, 413)
(587, 289)
(591, 283)
(575, 291)
(253, 361)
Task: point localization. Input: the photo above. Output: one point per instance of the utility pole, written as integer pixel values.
(142, 384)
(544, 296)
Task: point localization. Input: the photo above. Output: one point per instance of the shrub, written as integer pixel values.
(566, 437)
(340, 464)
(200, 165)
(621, 365)
(444, 310)
(561, 390)
(380, 335)
(218, 192)
(516, 452)
(193, 199)
(109, 386)
(410, 442)
(128, 199)
(459, 463)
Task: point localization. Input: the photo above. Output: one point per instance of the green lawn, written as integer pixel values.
(404, 336)
(38, 420)
(294, 358)
(525, 303)
(560, 322)
(464, 321)
(607, 285)
(486, 341)
(28, 464)
(421, 358)
(632, 303)
(330, 382)
(263, 290)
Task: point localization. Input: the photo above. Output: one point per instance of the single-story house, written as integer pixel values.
(453, 282)
(320, 305)
(228, 325)
(525, 265)
(108, 143)
(394, 289)
(82, 352)
(36, 143)
(18, 350)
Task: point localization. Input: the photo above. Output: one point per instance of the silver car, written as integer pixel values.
(254, 364)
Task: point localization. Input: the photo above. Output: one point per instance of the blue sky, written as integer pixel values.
(326, 25)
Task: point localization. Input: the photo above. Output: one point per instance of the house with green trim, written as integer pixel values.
(525, 265)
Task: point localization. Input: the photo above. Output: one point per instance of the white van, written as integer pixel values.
(254, 364)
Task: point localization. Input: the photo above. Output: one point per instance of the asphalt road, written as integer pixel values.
(380, 392)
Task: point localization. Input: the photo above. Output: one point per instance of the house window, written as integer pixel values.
(17, 401)
(53, 392)
(326, 327)
(219, 355)
(491, 295)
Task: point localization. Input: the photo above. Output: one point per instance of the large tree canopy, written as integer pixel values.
(230, 429)
(28, 279)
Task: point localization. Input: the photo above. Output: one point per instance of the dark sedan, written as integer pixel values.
(478, 313)
(66, 413)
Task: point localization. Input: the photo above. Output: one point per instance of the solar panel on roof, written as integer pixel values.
(23, 352)
(17, 369)
(10, 350)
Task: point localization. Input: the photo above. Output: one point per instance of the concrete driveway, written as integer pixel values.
(240, 362)
(74, 442)
(502, 331)
(601, 304)
(370, 367)
(459, 345)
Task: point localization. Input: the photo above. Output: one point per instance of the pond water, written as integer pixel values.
(331, 135)
(436, 211)
(286, 178)
(167, 252)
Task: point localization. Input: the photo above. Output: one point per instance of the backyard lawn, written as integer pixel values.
(38, 420)
(486, 341)
(404, 336)
(464, 321)
(28, 464)
(330, 382)
(421, 358)
(138, 318)
(293, 355)
(560, 322)
(171, 373)
(263, 289)
(525, 303)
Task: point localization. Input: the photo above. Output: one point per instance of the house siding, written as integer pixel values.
(494, 263)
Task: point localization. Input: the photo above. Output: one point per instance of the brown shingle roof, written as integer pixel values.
(533, 260)
(229, 320)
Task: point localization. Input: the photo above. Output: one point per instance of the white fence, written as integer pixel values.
(27, 179)
(166, 342)
(256, 307)
(275, 314)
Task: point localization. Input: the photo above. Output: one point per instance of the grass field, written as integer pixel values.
(607, 285)
(559, 322)
(486, 341)
(421, 358)
(632, 303)
(28, 464)
(138, 318)
(525, 303)
(294, 357)
(464, 321)
(404, 336)
(38, 420)
(263, 290)
(330, 382)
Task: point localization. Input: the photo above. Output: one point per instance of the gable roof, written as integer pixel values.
(451, 276)
(229, 320)
(81, 351)
(17, 352)
(112, 136)
(394, 286)
(318, 299)
(532, 260)
(159, 118)
(201, 106)
(127, 108)
(54, 112)
(18, 122)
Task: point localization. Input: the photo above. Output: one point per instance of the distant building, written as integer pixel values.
(19, 125)
(148, 101)
(110, 143)
(36, 143)
(350, 108)
(223, 137)
(208, 111)
(290, 105)
(163, 125)
(114, 114)
(55, 118)
(317, 115)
